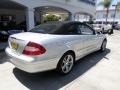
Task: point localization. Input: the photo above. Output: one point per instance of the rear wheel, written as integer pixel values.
(66, 63)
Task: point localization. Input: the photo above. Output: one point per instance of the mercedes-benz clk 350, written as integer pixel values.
(54, 45)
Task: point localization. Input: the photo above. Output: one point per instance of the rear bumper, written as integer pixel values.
(30, 64)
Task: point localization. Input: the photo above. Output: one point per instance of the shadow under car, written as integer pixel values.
(51, 80)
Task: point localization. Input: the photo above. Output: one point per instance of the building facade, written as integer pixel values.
(113, 16)
(28, 13)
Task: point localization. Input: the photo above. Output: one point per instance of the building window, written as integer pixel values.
(6, 18)
(85, 16)
(7, 21)
(104, 15)
(91, 2)
(112, 15)
(98, 16)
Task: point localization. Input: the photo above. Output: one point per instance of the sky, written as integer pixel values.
(114, 2)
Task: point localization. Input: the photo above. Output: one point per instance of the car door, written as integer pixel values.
(89, 38)
(74, 39)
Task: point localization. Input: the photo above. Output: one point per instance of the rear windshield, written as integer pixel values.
(45, 28)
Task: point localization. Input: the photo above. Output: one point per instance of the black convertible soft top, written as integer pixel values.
(55, 27)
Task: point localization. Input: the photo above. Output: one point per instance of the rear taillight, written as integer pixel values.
(34, 49)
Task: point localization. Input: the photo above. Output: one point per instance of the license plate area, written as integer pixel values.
(14, 45)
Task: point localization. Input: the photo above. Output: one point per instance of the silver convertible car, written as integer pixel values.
(54, 45)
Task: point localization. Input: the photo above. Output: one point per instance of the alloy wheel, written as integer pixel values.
(67, 63)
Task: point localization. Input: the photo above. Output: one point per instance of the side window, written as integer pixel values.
(71, 29)
(85, 30)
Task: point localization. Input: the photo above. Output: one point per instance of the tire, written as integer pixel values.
(66, 63)
(103, 46)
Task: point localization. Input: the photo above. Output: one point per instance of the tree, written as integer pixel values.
(106, 4)
(118, 6)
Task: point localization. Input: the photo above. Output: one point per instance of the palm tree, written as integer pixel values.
(117, 8)
(106, 4)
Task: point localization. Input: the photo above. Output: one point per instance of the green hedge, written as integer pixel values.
(51, 17)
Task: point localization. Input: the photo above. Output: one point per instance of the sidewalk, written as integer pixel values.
(3, 45)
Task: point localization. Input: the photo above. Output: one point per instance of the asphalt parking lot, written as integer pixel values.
(97, 71)
(3, 45)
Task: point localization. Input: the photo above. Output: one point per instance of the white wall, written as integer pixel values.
(72, 6)
(19, 14)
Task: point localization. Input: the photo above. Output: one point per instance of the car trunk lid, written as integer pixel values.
(17, 42)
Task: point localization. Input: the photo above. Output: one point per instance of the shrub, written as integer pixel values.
(51, 17)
